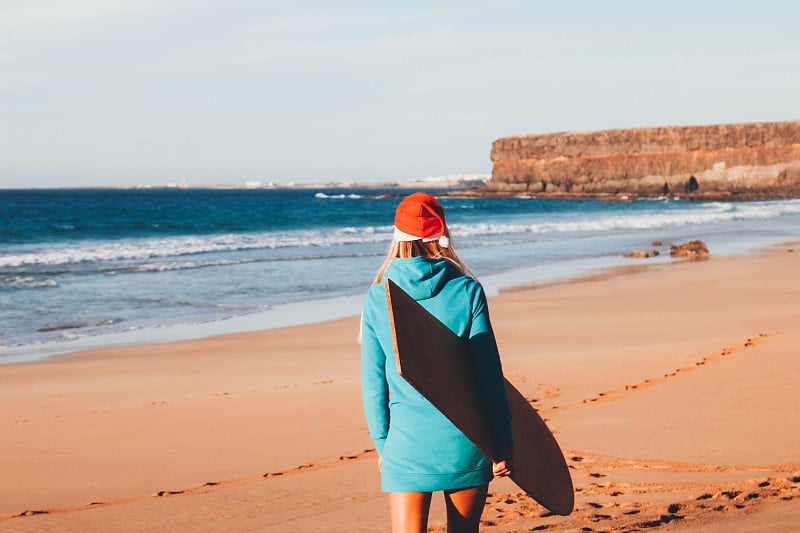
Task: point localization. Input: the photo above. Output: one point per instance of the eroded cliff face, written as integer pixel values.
(755, 159)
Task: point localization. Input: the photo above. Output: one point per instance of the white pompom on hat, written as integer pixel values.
(420, 216)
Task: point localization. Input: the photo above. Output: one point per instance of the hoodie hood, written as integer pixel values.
(421, 277)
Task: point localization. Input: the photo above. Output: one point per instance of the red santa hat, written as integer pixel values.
(420, 216)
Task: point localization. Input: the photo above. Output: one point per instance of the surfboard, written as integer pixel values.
(436, 362)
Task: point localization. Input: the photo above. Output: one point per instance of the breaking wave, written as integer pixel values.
(144, 249)
(27, 282)
(79, 325)
(539, 224)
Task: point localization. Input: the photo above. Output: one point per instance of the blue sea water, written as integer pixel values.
(98, 264)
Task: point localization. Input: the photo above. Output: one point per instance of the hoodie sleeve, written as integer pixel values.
(489, 371)
(374, 387)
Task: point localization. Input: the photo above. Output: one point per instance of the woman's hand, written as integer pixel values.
(501, 468)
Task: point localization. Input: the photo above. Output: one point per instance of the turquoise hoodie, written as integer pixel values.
(421, 450)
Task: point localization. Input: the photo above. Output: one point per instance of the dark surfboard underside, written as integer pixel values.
(436, 362)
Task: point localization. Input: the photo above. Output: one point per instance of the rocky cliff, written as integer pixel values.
(744, 160)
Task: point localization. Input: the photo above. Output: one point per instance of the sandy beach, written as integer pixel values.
(672, 391)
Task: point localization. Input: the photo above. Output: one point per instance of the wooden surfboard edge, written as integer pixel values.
(387, 287)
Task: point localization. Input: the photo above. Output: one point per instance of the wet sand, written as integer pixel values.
(672, 391)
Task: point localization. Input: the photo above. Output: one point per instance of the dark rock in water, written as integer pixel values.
(692, 249)
(642, 254)
(637, 254)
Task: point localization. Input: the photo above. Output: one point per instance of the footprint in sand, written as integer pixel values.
(665, 519)
(552, 393)
(31, 513)
(167, 493)
(357, 455)
(290, 471)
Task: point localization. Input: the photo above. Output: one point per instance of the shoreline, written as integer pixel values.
(671, 392)
(322, 310)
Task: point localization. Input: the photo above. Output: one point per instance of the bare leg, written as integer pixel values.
(409, 511)
(464, 508)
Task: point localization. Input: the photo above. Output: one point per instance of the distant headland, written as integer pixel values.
(733, 161)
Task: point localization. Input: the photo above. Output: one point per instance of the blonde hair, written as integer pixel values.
(417, 248)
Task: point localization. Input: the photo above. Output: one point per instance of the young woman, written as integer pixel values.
(420, 451)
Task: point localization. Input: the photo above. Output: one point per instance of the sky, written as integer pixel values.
(118, 93)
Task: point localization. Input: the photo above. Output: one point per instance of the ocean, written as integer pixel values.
(82, 268)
